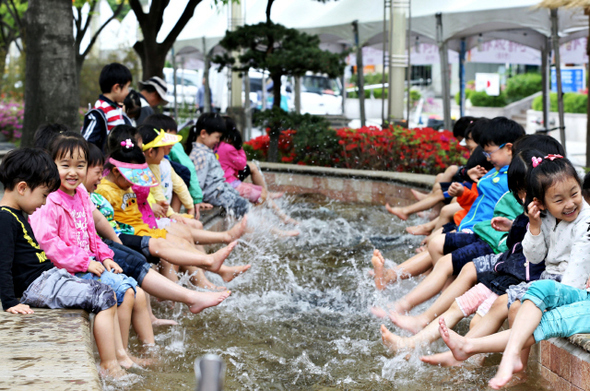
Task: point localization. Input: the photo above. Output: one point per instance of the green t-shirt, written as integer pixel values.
(178, 155)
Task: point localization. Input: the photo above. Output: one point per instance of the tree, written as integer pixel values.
(153, 54)
(282, 52)
(51, 89)
(11, 27)
(82, 28)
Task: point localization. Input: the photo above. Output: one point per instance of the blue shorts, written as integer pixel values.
(133, 263)
(463, 248)
(120, 283)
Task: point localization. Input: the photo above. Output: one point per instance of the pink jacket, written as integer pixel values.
(231, 160)
(54, 227)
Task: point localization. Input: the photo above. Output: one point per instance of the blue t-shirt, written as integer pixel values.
(491, 187)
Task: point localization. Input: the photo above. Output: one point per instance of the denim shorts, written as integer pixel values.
(517, 292)
(120, 283)
(56, 288)
(133, 263)
(464, 248)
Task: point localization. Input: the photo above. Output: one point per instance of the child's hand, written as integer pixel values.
(588, 283)
(204, 206)
(191, 211)
(456, 189)
(112, 266)
(501, 224)
(197, 212)
(534, 212)
(20, 309)
(95, 268)
(159, 210)
(476, 172)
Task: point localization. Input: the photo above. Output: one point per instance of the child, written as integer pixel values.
(28, 176)
(132, 106)
(133, 263)
(66, 232)
(114, 82)
(203, 137)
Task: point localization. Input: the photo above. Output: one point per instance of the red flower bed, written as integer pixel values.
(395, 148)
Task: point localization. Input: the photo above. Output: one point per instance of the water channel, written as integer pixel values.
(299, 319)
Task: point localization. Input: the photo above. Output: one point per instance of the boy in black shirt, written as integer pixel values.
(28, 176)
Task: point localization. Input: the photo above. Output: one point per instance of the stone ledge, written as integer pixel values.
(47, 350)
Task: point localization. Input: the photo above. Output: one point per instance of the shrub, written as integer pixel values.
(523, 85)
(11, 120)
(572, 102)
(467, 95)
(481, 99)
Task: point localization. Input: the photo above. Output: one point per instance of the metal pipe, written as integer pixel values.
(386, 5)
(462, 77)
(444, 65)
(555, 36)
(359, 72)
(545, 79)
(174, 83)
(409, 66)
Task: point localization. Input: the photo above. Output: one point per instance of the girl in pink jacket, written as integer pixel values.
(64, 228)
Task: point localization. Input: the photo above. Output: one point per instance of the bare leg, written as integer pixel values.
(436, 247)
(175, 204)
(429, 287)
(156, 322)
(199, 279)
(168, 270)
(414, 266)
(162, 288)
(140, 318)
(466, 279)
(447, 214)
(124, 314)
(104, 335)
(427, 203)
(418, 195)
(185, 256)
(423, 229)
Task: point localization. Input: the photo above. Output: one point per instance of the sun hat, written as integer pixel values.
(138, 174)
(163, 139)
(159, 85)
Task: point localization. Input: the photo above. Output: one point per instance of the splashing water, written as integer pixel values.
(299, 318)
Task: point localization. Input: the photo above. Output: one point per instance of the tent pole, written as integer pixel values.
(247, 107)
(174, 83)
(444, 67)
(360, 72)
(386, 4)
(409, 66)
(545, 74)
(398, 60)
(587, 12)
(207, 108)
(555, 37)
(462, 77)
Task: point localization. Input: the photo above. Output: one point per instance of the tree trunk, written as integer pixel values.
(3, 54)
(153, 58)
(51, 89)
(273, 147)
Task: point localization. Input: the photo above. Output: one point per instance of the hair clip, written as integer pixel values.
(536, 161)
(553, 157)
(127, 143)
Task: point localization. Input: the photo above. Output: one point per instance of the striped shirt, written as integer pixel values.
(112, 111)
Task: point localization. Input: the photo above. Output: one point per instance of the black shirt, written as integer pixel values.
(21, 259)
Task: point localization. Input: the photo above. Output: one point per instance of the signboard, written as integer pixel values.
(488, 82)
(501, 51)
(572, 79)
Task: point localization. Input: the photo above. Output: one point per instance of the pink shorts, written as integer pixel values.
(478, 299)
(250, 192)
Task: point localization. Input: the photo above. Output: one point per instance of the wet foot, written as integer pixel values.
(237, 230)
(401, 306)
(203, 300)
(393, 342)
(275, 194)
(397, 211)
(454, 341)
(445, 359)
(285, 234)
(220, 256)
(142, 362)
(413, 324)
(418, 195)
(228, 273)
(510, 364)
(112, 370)
(378, 312)
(382, 276)
(422, 229)
(201, 281)
(163, 322)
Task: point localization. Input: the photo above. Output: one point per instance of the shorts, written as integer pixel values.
(56, 288)
(449, 227)
(245, 173)
(120, 283)
(486, 263)
(141, 244)
(250, 192)
(133, 263)
(163, 222)
(464, 248)
(478, 299)
(517, 292)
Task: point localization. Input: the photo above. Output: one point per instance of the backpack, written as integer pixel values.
(94, 128)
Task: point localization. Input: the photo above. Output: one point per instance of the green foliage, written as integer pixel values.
(523, 85)
(572, 103)
(467, 95)
(126, 8)
(481, 99)
(370, 78)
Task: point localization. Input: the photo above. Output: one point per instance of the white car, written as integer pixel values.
(187, 84)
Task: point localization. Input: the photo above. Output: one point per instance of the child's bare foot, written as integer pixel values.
(200, 280)
(163, 322)
(378, 262)
(220, 256)
(124, 360)
(111, 370)
(202, 300)
(419, 230)
(401, 306)
(455, 342)
(393, 342)
(445, 359)
(413, 324)
(228, 273)
(418, 195)
(273, 195)
(285, 234)
(142, 362)
(290, 220)
(510, 364)
(378, 312)
(237, 230)
(397, 211)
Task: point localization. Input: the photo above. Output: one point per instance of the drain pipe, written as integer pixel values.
(209, 370)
